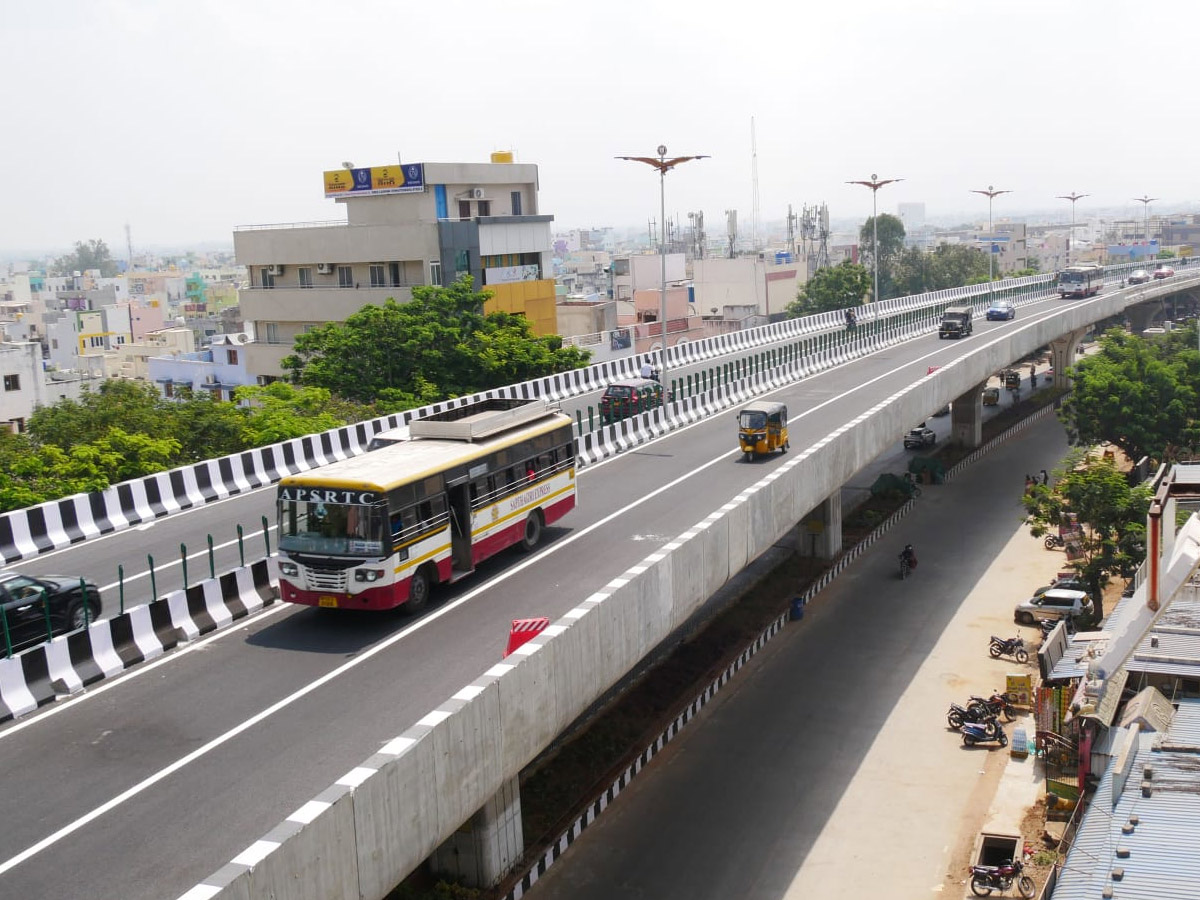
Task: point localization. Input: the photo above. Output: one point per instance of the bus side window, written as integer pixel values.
(397, 522)
(425, 514)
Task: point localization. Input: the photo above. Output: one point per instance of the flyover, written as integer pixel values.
(664, 587)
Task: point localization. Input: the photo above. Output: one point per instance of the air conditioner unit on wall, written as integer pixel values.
(476, 193)
(274, 270)
(324, 268)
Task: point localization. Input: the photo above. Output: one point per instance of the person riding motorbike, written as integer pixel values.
(909, 556)
(648, 371)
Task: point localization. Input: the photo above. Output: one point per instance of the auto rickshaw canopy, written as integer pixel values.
(760, 412)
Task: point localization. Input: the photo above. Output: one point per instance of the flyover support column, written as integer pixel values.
(485, 848)
(1062, 354)
(966, 417)
(819, 534)
(1141, 316)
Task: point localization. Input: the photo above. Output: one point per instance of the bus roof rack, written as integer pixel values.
(475, 421)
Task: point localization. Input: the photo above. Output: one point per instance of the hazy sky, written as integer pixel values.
(188, 119)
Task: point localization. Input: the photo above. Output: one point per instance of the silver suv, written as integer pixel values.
(1055, 603)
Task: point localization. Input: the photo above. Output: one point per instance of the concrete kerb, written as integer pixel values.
(68, 663)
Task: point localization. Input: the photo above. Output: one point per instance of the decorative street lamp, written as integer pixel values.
(990, 193)
(1072, 197)
(875, 184)
(664, 165)
(1146, 201)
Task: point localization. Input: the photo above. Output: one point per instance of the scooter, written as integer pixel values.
(979, 732)
(985, 879)
(1014, 647)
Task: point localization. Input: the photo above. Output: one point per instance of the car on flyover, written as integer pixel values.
(1163, 272)
(921, 436)
(72, 603)
(1001, 309)
(1138, 276)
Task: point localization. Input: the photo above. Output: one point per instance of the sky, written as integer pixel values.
(186, 120)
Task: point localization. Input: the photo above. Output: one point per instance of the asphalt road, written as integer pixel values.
(824, 769)
(148, 783)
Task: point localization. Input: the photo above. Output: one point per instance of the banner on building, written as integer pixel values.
(510, 274)
(398, 179)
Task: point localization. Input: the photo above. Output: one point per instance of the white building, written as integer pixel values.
(220, 368)
(761, 285)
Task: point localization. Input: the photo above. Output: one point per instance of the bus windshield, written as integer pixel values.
(333, 528)
(1072, 276)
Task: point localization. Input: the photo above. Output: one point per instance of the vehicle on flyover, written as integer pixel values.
(36, 607)
(382, 529)
(1001, 309)
(762, 428)
(1163, 272)
(1138, 276)
(1080, 281)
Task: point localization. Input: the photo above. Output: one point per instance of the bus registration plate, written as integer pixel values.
(328, 601)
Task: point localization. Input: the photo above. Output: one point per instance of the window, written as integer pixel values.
(464, 209)
(435, 272)
(12, 382)
(395, 273)
(485, 207)
(271, 330)
(268, 280)
(462, 262)
(305, 273)
(233, 358)
(516, 202)
(168, 389)
(377, 279)
(345, 276)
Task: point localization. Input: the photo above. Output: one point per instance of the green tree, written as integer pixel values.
(440, 344)
(1112, 513)
(280, 411)
(93, 254)
(207, 428)
(1139, 395)
(134, 406)
(946, 266)
(831, 288)
(891, 245)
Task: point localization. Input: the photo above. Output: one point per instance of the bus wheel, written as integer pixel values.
(418, 591)
(533, 531)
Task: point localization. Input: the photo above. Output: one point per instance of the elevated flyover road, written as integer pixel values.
(148, 783)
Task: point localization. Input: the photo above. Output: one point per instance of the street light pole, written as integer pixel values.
(875, 184)
(663, 165)
(990, 193)
(1146, 201)
(1072, 197)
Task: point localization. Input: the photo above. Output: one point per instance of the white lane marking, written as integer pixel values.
(287, 701)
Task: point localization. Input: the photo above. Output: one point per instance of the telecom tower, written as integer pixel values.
(731, 231)
(814, 236)
(698, 237)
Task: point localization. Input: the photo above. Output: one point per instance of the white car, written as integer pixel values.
(1055, 603)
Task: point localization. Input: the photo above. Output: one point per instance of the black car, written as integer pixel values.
(21, 597)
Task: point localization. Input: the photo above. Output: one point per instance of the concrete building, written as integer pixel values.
(406, 226)
(220, 369)
(761, 285)
(1008, 245)
(131, 360)
(644, 272)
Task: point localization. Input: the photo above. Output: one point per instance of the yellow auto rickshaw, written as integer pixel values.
(762, 428)
(991, 396)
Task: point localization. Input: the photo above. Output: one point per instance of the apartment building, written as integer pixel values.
(406, 226)
(219, 369)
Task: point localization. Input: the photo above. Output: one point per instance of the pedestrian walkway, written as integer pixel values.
(826, 768)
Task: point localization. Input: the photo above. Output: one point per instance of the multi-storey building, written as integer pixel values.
(219, 369)
(406, 226)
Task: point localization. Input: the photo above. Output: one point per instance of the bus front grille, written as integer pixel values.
(326, 579)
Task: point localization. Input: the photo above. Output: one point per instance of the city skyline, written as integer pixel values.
(186, 123)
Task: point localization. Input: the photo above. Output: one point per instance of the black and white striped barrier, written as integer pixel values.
(64, 666)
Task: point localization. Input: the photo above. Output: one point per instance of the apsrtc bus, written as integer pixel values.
(386, 527)
(1080, 281)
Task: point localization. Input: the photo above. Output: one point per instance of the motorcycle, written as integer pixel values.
(985, 879)
(979, 732)
(1014, 647)
(995, 705)
(957, 715)
(908, 562)
(1048, 625)
(1053, 542)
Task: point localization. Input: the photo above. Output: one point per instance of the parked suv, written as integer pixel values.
(1055, 603)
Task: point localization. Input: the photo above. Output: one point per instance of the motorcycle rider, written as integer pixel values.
(648, 370)
(909, 556)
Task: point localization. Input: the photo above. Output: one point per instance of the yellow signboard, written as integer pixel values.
(1020, 689)
(405, 178)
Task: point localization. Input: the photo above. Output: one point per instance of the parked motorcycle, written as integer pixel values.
(1014, 647)
(957, 714)
(985, 879)
(980, 732)
(1048, 625)
(1053, 542)
(996, 705)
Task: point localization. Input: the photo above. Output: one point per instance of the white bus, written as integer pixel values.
(384, 528)
(1080, 281)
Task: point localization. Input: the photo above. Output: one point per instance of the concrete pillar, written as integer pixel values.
(1062, 354)
(966, 417)
(487, 845)
(1142, 315)
(820, 532)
